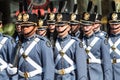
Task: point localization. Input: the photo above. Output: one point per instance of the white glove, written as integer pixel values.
(11, 70)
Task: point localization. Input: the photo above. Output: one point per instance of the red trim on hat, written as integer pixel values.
(54, 10)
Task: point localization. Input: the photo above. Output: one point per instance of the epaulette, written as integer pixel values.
(75, 38)
(40, 37)
(78, 40)
(9, 37)
(105, 39)
(48, 43)
(99, 37)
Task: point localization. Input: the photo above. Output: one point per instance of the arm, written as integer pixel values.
(48, 63)
(81, 63)
(106, 61)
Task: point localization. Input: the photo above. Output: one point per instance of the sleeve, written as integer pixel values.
(48, 62)
(10, 49)
(81, 64)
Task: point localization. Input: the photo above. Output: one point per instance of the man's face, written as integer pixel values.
(18, 28)
(63, 30)
(41, 32)
(75, 28)
(87, 29)
(28, 30)
(96, 26)
(51, 26)
(115, 28)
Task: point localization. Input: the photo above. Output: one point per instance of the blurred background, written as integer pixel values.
(9, 8)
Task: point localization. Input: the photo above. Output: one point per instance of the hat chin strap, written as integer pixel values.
(115, 31)
(77, 29)
(30, 33)
(88, 33)
(63, 30)
(43, 34)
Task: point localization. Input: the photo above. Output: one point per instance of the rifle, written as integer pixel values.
(18, 46)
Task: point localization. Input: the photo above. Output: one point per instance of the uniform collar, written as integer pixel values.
(97, 32)
(87, 37)
(76, 34)
(65, 38)
(115, 35)
(31, 37)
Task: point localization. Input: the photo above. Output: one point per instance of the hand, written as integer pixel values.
(11, 70)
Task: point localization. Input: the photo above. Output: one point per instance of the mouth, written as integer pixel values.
(86, 31)
(115, 28)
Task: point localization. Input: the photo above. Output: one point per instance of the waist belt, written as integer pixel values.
(93, 61)
(115, 61)
(29, 74)
(66, 70)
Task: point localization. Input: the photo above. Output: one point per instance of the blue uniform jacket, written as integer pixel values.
(77, 54)
(101, 34)
(100, 51)
(6, 53)
(115, 55)
(42, 54)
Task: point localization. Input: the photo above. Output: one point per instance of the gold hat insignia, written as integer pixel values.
(73, 17)
(19, 17)
(114, 16)
(59, 17)
(25, 17)
(40, 23)
(86, 16)
(52, 16)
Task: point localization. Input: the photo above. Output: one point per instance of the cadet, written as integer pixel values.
(6, 51)
(17, 33)
(42, 28)
(70, 59)
(98, 25)
(74, 23)
(51, 32)
(35, 55)
(114, 43)
(98, 58)
(17, 37)
(42, 25)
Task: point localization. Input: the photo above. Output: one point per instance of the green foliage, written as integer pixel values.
(9, 29)
(1, 30)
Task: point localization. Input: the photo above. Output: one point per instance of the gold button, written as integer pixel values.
(24, 56)
(62, 72)
(26, 74)
(114, 61)
(87, 51)
(113, 47)
(62, 53)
